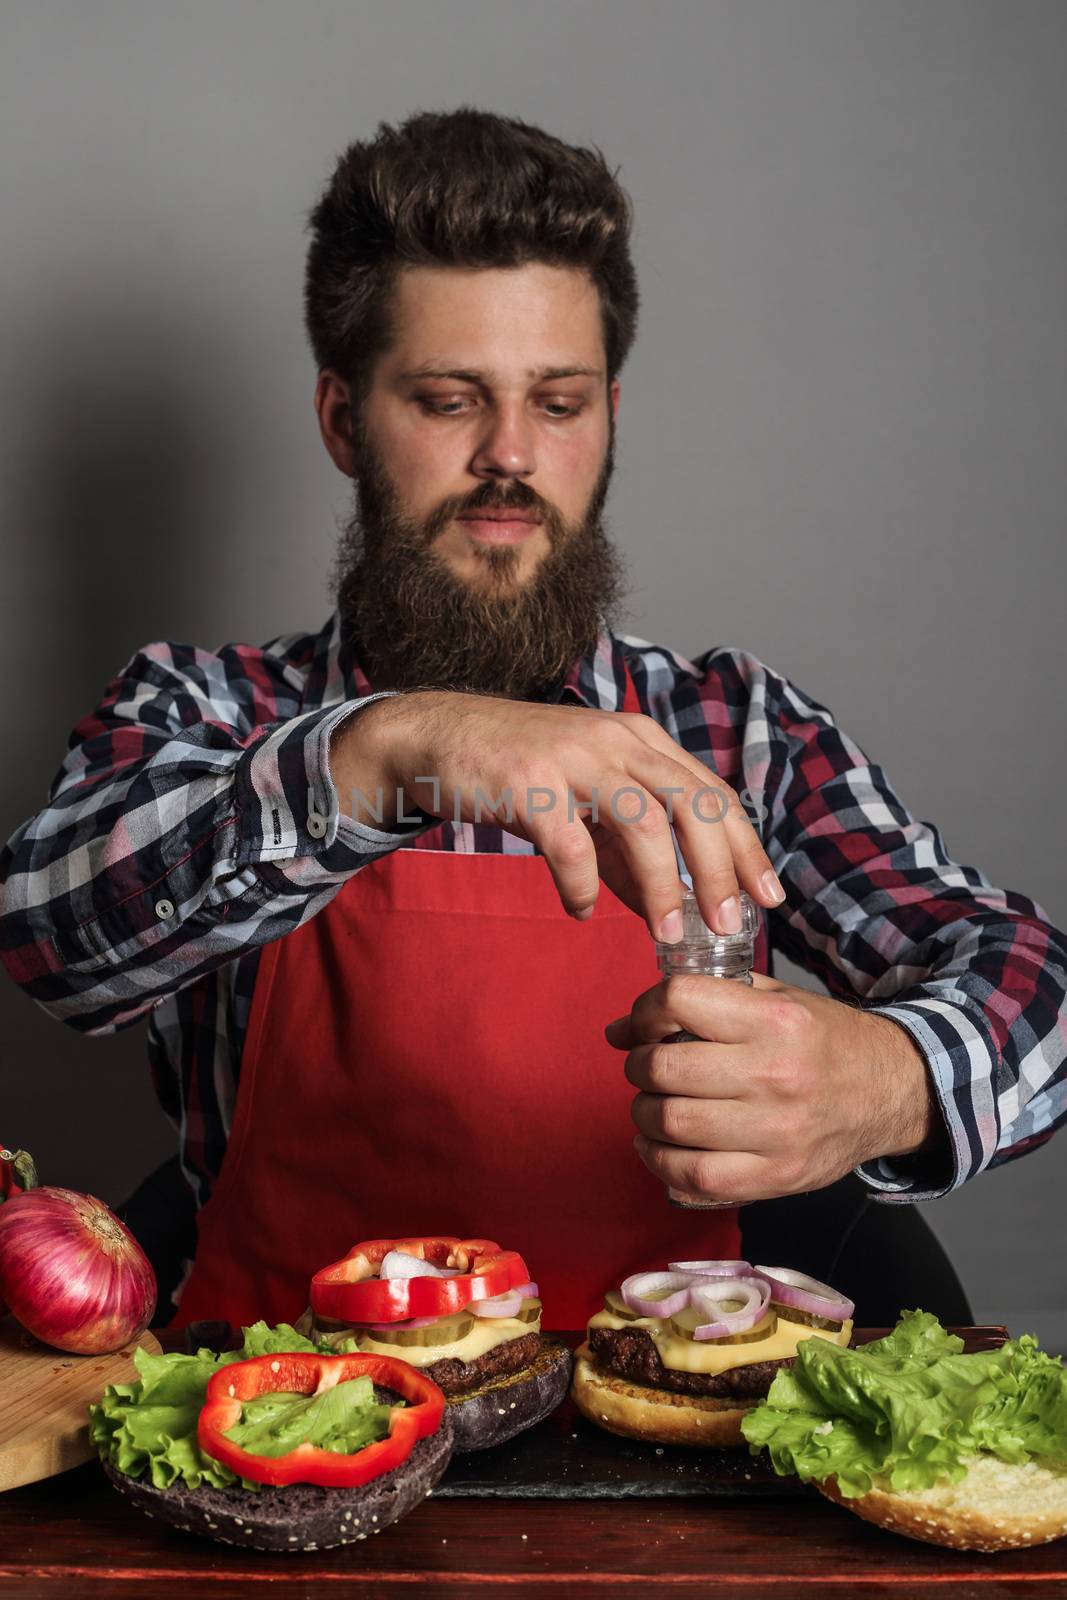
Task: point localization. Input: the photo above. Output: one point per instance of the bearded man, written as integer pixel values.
(387, 892)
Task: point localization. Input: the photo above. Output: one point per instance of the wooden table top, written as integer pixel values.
(73, 1536)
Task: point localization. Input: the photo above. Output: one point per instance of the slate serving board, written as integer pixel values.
(567, 1458)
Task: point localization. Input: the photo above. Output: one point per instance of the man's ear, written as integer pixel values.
(334, 411)
(615, 391)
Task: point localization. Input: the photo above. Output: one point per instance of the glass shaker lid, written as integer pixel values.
(696, 933)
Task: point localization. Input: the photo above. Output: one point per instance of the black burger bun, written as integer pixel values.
(296, 1516)
(508, 1404)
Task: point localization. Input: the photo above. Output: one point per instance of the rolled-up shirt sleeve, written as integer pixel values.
(195, 815)
(878, 910)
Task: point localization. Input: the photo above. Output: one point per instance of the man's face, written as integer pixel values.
(492, 397)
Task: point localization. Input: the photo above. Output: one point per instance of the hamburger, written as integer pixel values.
(464, 1312)
(910, 1433)
(275, 1446)
(681, 1356)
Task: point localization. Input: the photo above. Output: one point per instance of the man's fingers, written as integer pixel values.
(732, 1177)
(690, 1123)
(572, 861)
(638, 823)
(691, 1002)
(713, 808)
(707, 1072)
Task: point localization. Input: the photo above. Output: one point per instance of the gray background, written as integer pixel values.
(840, 439)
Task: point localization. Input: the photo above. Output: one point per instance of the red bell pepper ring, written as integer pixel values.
(348, 1291)
(308, 1374)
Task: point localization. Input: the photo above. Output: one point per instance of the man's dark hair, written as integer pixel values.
(460, 188)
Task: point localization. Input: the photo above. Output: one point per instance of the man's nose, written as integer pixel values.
(506, 445)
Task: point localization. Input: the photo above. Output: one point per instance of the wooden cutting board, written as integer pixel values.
(44, 1424)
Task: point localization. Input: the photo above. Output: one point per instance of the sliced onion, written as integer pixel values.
(639, 1290)
(528, 1291)
(391, 1327)
(791, 1288)
(711, 1269)
(502, 1305)
(398, 1264)
(713, 1297)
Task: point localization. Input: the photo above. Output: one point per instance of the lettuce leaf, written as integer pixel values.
(149, 1426)
(908, 1409)
(344, 1418)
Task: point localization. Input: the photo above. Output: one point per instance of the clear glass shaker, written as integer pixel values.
(715, 955)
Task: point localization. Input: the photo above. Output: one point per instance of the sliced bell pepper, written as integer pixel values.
(349, 1291)
(307, 1374)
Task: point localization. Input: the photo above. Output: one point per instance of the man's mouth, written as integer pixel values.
(507, 526)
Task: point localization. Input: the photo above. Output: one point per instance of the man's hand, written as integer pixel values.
(536, 769)
(795, 1090)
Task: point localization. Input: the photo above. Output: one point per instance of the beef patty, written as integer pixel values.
(631, 1353)
(457, 1377)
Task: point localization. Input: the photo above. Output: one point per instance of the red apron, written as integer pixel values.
(426, 1056)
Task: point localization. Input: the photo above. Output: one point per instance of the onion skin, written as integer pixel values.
(72, 1273)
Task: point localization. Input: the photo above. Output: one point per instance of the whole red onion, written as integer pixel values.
(72, 1273)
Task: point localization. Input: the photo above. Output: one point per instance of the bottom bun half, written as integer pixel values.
(638, 1411)
(507, 1405)
(997, 1506)
(296, 1516)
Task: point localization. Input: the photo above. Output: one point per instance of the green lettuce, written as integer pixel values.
(149, 1426)
(344, 1418)
(908, 1410)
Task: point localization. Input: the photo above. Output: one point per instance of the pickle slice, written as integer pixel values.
(446, 1330)
(614, 1302)
(326, 1325)
(530, 1310)
(685, 1323)
(808, 1318)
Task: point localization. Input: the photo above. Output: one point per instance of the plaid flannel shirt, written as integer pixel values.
(195, 819)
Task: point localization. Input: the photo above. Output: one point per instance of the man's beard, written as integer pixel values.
(414, 624)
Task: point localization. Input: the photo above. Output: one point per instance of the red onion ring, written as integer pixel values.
(398, 1264)
(796, 1289)
(711, 1269)
(754, 1293)
(636, 1292)
(529, 1291)
(502, 1305)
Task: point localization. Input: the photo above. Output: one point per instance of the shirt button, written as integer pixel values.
(164, 909)
(317, 824)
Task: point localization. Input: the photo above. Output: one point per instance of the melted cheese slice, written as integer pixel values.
(486, 1334)
(695, 1355)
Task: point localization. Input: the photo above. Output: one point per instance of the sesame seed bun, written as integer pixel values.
(997, 1506)
(638, 1411)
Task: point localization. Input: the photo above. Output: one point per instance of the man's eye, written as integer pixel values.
(558, 409)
